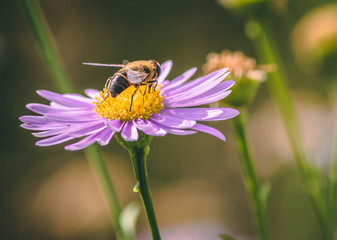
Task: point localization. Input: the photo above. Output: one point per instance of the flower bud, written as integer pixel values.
(314, 39)
(244, 70)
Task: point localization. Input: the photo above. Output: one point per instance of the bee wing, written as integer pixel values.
(136, 76)
(105, 64)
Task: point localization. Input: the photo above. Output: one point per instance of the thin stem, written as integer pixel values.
(99, 168)
(333, 196)
(138, 158)
(333, 187)
(277, 86)
(48, 51)
(44, 39)
(253, 188)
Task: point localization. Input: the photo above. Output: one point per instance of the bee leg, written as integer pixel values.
(141, 90)
(151, 85)
(105, 98)
(137, 87)
(144, 93)
(155, 86)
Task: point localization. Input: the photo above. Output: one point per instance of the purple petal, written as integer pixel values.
(87, 129)
(164, 83)
(176, 131)
(73, 117)
(78, 130)
(196, 82)
(42, 127)
(198, 114)
(69, 111)
(78, 97)
(149, 128)
(198, 89)
(228, 113)
(216, 89)
(165, 70)
(115, 125)
(92, 93)
(198, 101)
(45, 109)
(67, 101)
(207, 129)
(35, 120)
(49, 133)
(85, 142)
(129, 132)
(170, 121)
(105, 137)
(53, 140)
(55, 105)
(38, 108)
(212, 95)
(54, 131)
(179, 80)
(220, 88)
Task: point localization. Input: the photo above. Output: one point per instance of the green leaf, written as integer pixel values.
(226, 237)
(129, 217)
(264, 193)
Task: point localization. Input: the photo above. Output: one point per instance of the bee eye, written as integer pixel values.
(158, 69)
(147, 70)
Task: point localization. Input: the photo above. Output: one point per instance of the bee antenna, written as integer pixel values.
(104, 64)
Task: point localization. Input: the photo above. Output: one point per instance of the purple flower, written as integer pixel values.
(170, 108)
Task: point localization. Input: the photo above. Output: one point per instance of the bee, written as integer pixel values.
(135, 73)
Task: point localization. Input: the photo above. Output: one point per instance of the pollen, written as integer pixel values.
(146, 102)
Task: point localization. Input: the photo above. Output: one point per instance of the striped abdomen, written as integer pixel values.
(117, 83)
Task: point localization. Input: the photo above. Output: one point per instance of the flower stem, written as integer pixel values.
(48, 51)
(44, 39)
(277, 86)
(138, 157)
(98, 166)
(333, 184)
(138, 152)
(333, 196)
(253, 188)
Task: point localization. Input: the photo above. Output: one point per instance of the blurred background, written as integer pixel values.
(198, 193)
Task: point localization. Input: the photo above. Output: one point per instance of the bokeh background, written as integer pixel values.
(49, 193)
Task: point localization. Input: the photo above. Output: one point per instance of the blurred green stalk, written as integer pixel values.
(277, 86)
(99, 168)
(333, 196)
(253, 188)
(48, 50)
(333, 187)
(45, 42)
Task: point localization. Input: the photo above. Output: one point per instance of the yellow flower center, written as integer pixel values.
(143, 105)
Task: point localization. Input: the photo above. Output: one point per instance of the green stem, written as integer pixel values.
(138, 157)
(138, 152)
(99, 168)
(277, 86)
(44, 39)
(333, 187)
(253, 188)
(48, 51)
(333, 196)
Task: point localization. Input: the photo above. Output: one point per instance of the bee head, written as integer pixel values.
(157, 66)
